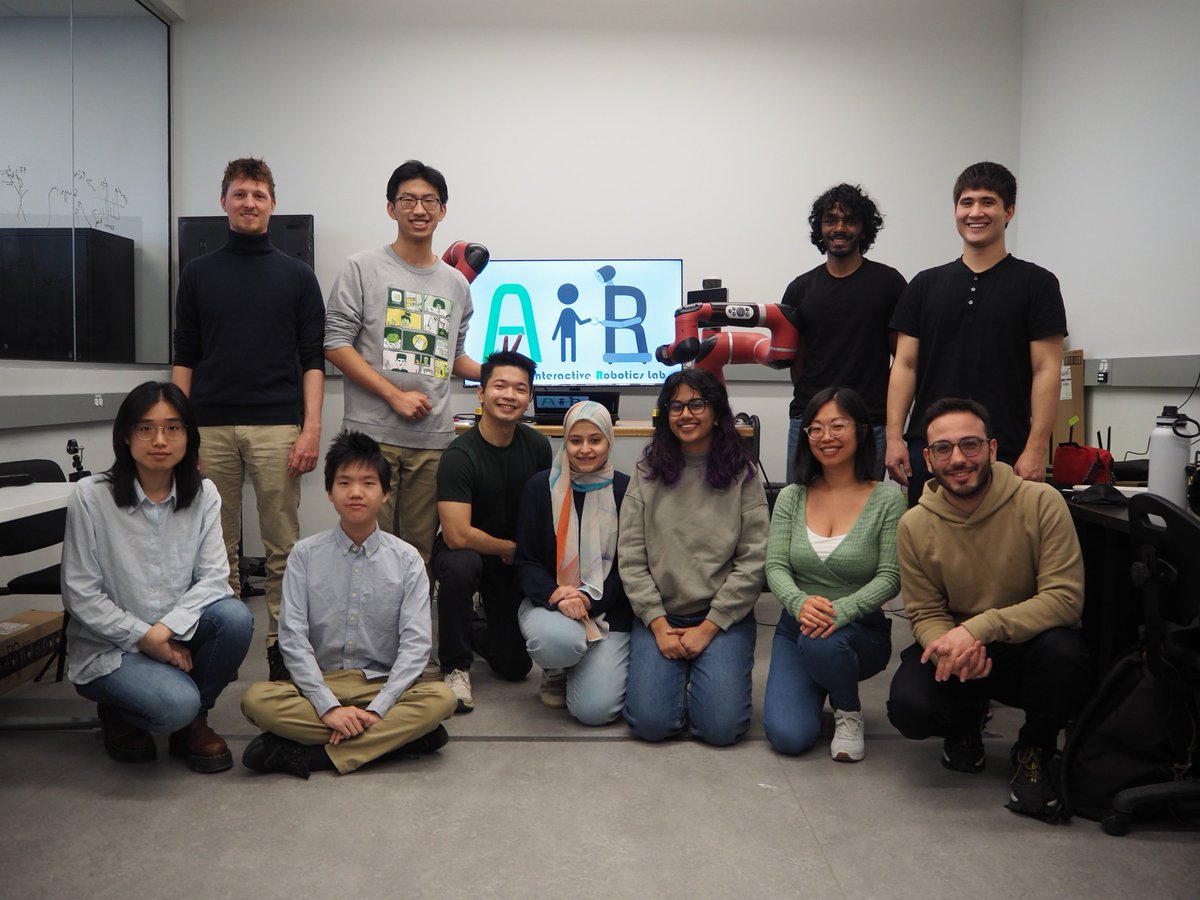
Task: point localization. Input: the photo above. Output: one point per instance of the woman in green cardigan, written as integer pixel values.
(831, 562)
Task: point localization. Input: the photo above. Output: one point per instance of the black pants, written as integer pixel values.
(460, 574)
(1048, 676)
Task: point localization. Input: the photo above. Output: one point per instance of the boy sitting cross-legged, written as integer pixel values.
(354, 629)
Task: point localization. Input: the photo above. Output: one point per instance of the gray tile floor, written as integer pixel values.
(524, 803)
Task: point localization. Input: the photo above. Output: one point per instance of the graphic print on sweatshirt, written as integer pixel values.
(416, 334)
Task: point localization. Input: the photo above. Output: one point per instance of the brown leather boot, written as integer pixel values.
(201, 748)
(124, 742)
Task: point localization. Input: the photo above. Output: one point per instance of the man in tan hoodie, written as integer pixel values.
(992, 579)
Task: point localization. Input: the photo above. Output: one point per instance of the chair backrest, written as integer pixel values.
(1166, 538)
(40, 469)
(35, 532)
(1166, 568)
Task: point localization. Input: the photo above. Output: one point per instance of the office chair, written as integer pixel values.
(35, 533)
(1166, 541)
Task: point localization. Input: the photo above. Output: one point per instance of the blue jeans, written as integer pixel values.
(712, 691)
(879, 431)
(804, 670)
(158, 697)
(596, 674)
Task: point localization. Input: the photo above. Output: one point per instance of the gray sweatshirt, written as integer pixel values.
(410, 325)
(689, 549)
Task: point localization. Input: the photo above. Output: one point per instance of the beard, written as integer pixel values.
(849, 249)
(966, 492)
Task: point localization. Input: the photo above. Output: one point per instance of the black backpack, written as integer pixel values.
(1137, 730)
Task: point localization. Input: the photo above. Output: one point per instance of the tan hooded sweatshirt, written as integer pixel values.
(1007, 572)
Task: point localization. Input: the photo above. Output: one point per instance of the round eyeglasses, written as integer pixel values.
(969, 446)
(834, 429)
(172, 431)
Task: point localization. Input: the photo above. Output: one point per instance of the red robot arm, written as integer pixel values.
(715, 351)
(470, 259)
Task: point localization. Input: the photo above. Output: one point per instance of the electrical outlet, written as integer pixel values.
(1102, 372)
(97, 399)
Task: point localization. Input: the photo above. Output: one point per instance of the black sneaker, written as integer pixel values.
(271, 753)
(276, 668)
(1032, 792)
(964, 753)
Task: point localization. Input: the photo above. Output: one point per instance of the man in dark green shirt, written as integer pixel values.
(479, 485)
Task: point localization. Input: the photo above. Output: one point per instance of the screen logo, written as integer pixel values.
(581, 321)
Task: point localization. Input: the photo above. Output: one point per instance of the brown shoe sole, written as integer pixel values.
(202, 764)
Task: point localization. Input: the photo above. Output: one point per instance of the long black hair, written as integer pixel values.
(806, 468)
(133, 409)
(727, 456)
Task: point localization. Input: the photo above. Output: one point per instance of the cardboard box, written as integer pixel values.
(26, 639)
(1070, 403)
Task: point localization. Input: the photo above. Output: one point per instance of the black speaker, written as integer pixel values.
(47, 313)
(202, 234)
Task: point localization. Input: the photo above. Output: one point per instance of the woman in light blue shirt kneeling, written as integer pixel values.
(154, 636)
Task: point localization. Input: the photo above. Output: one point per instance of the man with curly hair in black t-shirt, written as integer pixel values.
(843, 309)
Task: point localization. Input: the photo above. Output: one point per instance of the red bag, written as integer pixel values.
(1074, 465)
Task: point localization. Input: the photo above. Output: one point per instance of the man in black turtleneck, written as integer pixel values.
(245, 315)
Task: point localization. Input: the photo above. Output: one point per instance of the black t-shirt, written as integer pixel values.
(492, 478)
(974, 331)
(845, 324)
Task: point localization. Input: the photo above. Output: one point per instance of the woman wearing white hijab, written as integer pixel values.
(575, 616)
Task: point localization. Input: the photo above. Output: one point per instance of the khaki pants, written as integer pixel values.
(278, 707)
(230, 452)
(414, 492)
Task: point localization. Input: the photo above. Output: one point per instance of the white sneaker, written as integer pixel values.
(553, 691)
(459, 682)
(847, 744)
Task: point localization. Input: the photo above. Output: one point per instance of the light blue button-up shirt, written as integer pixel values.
(354, 607)
(125, 569)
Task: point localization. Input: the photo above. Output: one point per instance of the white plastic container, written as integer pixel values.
(1169, 458)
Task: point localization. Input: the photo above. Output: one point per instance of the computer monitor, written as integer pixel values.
(585, 322)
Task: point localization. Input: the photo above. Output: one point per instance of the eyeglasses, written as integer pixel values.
(408, 201)
(171, 431)
(970, 447)
(834, 429)
(695, 406)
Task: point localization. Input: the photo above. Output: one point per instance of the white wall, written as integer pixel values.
(699, 130)
(1109, 137)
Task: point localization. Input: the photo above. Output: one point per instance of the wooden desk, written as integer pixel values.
(1111, 605)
